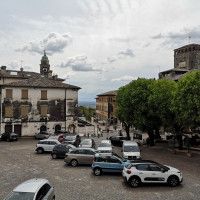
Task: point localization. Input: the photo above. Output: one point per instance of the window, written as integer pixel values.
(90, 152)
(24, 94)
(24, 111)
(113, 160)
(43, 191)
(44, 94)
(8, 111)
(155, 168)
(9, 93)
(143, 167)
(44, 110)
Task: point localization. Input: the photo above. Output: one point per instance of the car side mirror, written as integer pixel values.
(163, 170)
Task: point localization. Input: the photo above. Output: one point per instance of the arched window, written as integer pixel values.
(57, 127)
(43, 128)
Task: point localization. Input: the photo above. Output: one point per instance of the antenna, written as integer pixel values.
(189, 38)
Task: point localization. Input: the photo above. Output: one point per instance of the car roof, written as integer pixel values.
(31, 185)
(105, 141)
(128, 142)
(143, 161)
(79, 148)
(53, 140)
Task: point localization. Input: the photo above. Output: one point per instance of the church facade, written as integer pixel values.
(32, 102)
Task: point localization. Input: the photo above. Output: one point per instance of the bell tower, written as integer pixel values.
(44, 66)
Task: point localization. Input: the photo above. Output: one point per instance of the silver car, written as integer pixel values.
(80, 156)
(87, 143)
(46, 145)
(33, 189)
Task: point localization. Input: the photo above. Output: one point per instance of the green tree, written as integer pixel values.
(86, 112)
(160, 100)
(123, 112)
(186, 103)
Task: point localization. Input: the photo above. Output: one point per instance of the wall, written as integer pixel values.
(57, 107)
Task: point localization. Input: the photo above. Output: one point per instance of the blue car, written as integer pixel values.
(108, 163)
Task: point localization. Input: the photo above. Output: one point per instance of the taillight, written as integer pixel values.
(128, 171)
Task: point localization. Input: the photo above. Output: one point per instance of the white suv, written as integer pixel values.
(145, 171)
(46, 145)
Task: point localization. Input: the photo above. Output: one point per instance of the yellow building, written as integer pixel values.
(106, 106)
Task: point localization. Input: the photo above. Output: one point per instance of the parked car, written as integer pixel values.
(42, 135)
(80, 156)
(87, 143)
(60, 150)
(144, 171)
(72, 139)
(131, 150)
(117, 140)
(33, 189)
(108, 163)
(46, 145)
(9, 137)
(60, 137)
(105, 147)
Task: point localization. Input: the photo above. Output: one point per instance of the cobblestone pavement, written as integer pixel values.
(19, 162)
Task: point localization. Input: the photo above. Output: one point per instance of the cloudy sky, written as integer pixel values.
(99, 45)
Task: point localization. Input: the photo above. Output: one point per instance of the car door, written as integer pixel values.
(158, 173)
(144, 172)
(51, 145)
(90, 156)
(115, 165)
(82, 156)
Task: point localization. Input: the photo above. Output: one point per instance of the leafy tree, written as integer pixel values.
(86, 112)
(123, 111)
(160, 100)
(186, 103)
(133, 107)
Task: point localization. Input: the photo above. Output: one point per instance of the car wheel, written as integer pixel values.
(40, 150)
(173, 181)
(54, 156)
(97, 171)
(74, 163)
(134, 182)
(8, 140)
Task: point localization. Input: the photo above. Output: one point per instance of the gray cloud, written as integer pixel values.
(53, 43)
(127, 52)
(122, 54)
(181, 37)
(79, 63)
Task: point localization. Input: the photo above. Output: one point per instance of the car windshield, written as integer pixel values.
(20, 196)
(86, 142)
(104, 145)
(131, 149)
(71, 137)
(122, 159)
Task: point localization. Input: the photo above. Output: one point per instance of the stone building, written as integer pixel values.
(106, 106)
(186, 59)
(32, 102)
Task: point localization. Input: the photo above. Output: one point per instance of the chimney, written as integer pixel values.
(50, 74)
(3, 70)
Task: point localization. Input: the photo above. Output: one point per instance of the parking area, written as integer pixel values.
(19, 162)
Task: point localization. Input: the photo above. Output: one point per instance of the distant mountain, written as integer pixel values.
(87, 104)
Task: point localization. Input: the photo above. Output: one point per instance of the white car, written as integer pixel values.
(131, 150)
(46, 145)
(105, 146)
(144, 171)
(33, 189)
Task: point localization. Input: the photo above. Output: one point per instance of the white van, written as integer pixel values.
(131, 150)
